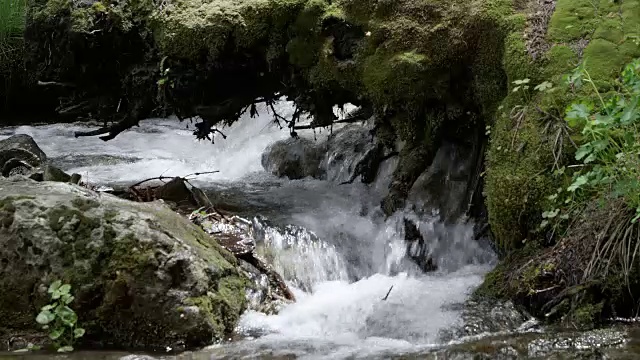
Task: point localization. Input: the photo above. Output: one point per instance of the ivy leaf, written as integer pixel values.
(78, 332)
(45, 317)
(67, 299)
(65, 289)
(56, 333)
(65, 349)
(54, 286)
(67, 315)
(48, 307)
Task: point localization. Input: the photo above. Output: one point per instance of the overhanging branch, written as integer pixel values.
(112, 131)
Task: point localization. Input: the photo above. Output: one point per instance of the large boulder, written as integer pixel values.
(143, 276)
(19, 154)
(295, 158)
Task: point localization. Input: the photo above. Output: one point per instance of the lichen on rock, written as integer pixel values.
(144, 277)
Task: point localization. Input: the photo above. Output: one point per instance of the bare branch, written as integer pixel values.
(112, 130)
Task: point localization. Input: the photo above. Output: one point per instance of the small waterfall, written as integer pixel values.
(298, 254)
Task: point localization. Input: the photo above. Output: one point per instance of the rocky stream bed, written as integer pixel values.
(359, 291)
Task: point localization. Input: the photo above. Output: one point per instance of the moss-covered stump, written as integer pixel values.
(143, 276)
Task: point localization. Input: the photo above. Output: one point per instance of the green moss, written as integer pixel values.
(516, 180)
(224, 307)
(585, 316)
(7, 210)
(85, 204)
(390, 78)
(194, 27)
(573, 20)
(561, 59)
(498, 283)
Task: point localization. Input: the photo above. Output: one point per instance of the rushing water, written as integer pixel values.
(357, 294)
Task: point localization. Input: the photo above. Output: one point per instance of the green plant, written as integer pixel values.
(12, 18)
(59, 319)
(608, 157)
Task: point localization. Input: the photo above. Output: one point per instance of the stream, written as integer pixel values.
(357, 294)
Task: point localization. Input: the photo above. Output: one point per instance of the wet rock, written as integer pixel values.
(52, 173)
(352, 152)
(592, 340)
(295, 158)
(444, 185)
(19, 154)
(75, 178)
(142, 275)
(268, 291)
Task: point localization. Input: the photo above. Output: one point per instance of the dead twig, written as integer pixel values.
(388, 292)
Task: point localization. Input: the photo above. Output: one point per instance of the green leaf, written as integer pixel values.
(45, 317)
(603, 119)
(67, 299)
(48, 307)
(67, 348)
(55, 334)
(578, 182)
(78, 332)
(630, 112)
(67, 315)
(579, 111)
(65, 289)
(54, 286)
(543, 86)
(583, 151)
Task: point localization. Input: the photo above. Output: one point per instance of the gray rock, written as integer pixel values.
(295, 158)
(75, 178)
(346, 148)
(52, 173)
(19, 154)
(143, 276)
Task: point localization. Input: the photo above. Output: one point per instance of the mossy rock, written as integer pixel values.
(143, 276)
(524, 149)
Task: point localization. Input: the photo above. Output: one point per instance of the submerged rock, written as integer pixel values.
(142, 276)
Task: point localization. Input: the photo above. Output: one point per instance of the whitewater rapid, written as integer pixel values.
(347, 256)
